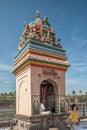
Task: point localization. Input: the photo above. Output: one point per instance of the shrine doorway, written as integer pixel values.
(47, 93)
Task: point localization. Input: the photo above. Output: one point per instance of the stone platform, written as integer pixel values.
(39, 122)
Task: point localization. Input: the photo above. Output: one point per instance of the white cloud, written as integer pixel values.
(80, 67)
(76, 81)
(79, 64)
(76, 84)
(4, 67)
(79, 41)
(78, 34)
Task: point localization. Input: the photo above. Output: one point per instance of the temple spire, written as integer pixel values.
(37, 14)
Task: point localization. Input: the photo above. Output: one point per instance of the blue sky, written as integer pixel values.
(67, 17)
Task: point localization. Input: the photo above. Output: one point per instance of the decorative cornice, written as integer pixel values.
(38, 63)
(40, 53)
(46, 48)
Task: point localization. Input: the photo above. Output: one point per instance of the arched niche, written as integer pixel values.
(48, 91)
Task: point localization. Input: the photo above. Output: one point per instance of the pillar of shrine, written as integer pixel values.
(40, 67)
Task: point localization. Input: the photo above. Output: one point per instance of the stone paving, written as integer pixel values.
(82, 126)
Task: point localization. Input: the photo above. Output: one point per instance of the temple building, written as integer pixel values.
(40, 67)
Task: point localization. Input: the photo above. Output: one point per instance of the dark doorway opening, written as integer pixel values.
(47, 94)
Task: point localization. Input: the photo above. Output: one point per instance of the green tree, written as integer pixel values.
(73, 92)
(8, 97)
(80, 92)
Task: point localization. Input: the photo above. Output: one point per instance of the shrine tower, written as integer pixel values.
(40, 66)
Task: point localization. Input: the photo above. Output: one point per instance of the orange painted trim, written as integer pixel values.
(32, 63)
(21, 57)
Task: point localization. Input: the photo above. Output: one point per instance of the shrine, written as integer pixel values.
(40, 66)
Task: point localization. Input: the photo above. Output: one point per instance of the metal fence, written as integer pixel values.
(82, 110)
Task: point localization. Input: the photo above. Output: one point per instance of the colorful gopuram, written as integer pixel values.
(40, 66)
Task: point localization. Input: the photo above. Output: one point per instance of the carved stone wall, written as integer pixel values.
(55, 77)
(45, 122)
(23, 93)
(28, 88)
(35, 104)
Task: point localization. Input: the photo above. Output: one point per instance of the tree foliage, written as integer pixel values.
(73, 92)
(8, 97)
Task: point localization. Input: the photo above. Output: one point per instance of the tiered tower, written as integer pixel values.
(40, 66)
